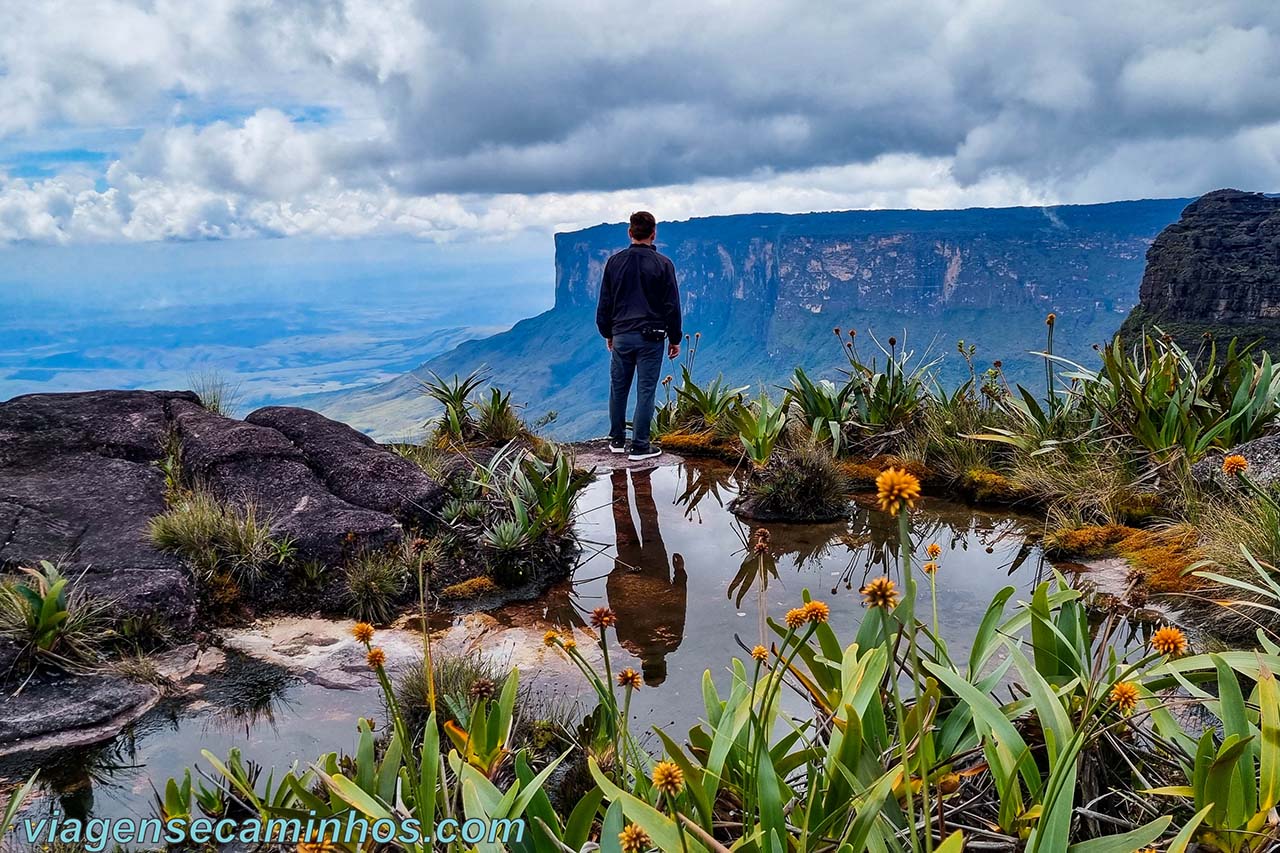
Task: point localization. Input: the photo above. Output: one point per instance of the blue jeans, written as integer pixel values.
(633, 356)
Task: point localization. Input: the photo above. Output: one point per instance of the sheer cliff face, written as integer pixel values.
(765, 291)
(770, 276)
(1218, 264)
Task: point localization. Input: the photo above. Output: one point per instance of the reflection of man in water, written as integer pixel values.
(647, 596)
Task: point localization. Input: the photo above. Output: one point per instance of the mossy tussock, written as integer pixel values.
(1162, 557)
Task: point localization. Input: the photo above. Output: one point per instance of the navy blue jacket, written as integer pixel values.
(639, 292)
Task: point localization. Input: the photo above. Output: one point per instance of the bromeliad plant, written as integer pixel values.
(760, 425)
(1172, 402)
(51, 619)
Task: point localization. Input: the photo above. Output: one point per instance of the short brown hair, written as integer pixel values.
(642, 225)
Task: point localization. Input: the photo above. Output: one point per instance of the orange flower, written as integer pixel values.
(760, 653)
(550, 638)
(760, 542)
(1169, 641)
(880, 592)
(1125, 695)
(376, 657)
(929, 567)
(796, 617)
(568, 643)
(896, 488)
(1234, 464)
(318, 846)
(816, 611)
(363, 632)
(633, 839)
(668, 778)
(629, 678)
(603, 617)
(934, 550)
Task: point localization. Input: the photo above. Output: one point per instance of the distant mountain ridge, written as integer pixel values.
(766, 290)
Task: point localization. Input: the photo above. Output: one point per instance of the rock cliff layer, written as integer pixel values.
(766, 290)
(1216, 269)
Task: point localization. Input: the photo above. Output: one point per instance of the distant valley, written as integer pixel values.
(766, 290)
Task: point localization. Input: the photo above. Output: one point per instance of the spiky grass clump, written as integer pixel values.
(375, 582)
(1081, 488)
(803, 485)
(219, 537)
(496, 418)
(456, 677)
(1226, 524)
(217, 393)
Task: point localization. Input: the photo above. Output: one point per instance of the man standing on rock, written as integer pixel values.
(639, 310)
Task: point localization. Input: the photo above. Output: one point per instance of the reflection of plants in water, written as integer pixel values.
(249, 693)
(757, 567)
(700, 481)
(68, 778)
(873, 542)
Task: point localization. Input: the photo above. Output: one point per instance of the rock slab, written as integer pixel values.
(79, 485)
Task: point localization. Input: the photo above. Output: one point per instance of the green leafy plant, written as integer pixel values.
(709, 408)
(823, 408)
(51, 619)
(454, 395)
(496, 418)
(760, 425)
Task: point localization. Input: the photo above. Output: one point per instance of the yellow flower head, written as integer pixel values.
(633, 839)
(1125, 695)
(934, 550)
(929, 567)
(880, 592)
(376, 657)
(320, 846)
(568, 643)
(896, 488)
(549, 638)
(816, 611)
(629, 678)
(603, 617)
(760, 653)
(1234, 464)
(796, 617)
(1169, 641)
(363, 632)
(668, 778)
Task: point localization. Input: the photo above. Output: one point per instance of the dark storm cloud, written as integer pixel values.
(545, 97)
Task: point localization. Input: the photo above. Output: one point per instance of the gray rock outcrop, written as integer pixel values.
(353, 466)
(78, 486)
(246, 463)
(80, 481)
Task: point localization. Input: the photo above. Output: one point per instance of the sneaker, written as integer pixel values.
(640, 454)
(619, 447)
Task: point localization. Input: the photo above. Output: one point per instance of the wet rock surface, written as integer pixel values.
(59, 711)
(323, 651)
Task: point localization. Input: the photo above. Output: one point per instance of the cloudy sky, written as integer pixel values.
(469, 120)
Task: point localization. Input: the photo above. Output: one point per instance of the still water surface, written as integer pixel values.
(662, 550)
